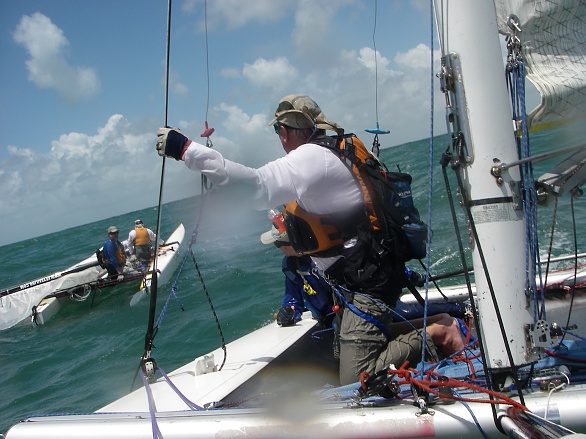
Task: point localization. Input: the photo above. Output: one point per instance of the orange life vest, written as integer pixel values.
(142, 236)
(120, 255)
(320, 235)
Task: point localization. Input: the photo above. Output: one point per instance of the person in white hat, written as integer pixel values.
(323, 187)
(139, 242)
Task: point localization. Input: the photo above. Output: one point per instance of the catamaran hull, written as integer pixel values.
(167, 261)
(337, 421)
(254, 360)
(399, 419)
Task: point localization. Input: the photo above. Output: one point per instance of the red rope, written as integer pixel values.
(428, 385)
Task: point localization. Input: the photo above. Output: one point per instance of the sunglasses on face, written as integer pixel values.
(277, 128)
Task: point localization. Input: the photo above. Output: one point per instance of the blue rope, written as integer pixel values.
(184, 398)
(316, 334)
(429, 188)
(172, 294)
(530, 196)
(152, 409)
(465, 404)
(575, 335)
(370, 319)
(516, 80)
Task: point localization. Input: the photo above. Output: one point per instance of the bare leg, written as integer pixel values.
(445, 334)
(443, 329)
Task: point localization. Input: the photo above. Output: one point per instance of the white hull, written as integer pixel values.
(47, 308)
(336, 421)
(168, 259)
(252, 360)
(557, 281)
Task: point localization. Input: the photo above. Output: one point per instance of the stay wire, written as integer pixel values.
(205, 188)
(466, 269)
(495, 304)
(204, 180)
(151, 332)
(573, 287)
(375, 63)
(430, 186)
(205, 12)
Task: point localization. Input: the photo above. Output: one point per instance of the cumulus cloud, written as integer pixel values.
(276, 74)
(416, 58)
(337, 72)
(95, 173)
(312, 20)
(367, 58)
(237, 13)
(47, 66)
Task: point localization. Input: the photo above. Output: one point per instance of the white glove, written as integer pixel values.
(171, 142)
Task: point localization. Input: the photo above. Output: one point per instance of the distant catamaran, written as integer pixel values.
(39, 299)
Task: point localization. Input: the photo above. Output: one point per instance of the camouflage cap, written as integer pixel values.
(300, 111)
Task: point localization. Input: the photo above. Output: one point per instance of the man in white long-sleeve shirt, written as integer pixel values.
(139, 241)
(323, 186)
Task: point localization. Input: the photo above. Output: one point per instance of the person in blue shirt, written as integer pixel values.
(113, 253)
(305, 289)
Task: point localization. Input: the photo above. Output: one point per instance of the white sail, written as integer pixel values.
(553, 35)
(17, 306)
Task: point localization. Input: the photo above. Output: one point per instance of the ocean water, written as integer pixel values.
(87, 355)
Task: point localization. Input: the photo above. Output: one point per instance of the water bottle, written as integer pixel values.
(278, 221)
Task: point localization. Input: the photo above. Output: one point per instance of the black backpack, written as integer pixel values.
(100, 257)
(395, 220)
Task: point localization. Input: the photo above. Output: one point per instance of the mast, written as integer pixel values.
(480, 118)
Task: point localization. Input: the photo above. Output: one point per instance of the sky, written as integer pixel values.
(83, 89)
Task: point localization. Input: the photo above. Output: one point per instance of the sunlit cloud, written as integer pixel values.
(47, 66)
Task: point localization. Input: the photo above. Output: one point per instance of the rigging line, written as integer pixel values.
(430, 187)
(466, 207)
(573, 288)
(376, 131)
(542, 311)
(150, 334)
(466, 270)
(435, 6)
(205, 20)
(205, 185)
(375, 63)
(205, 188)
(212, 308)
(515, 78)
(446, 158)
